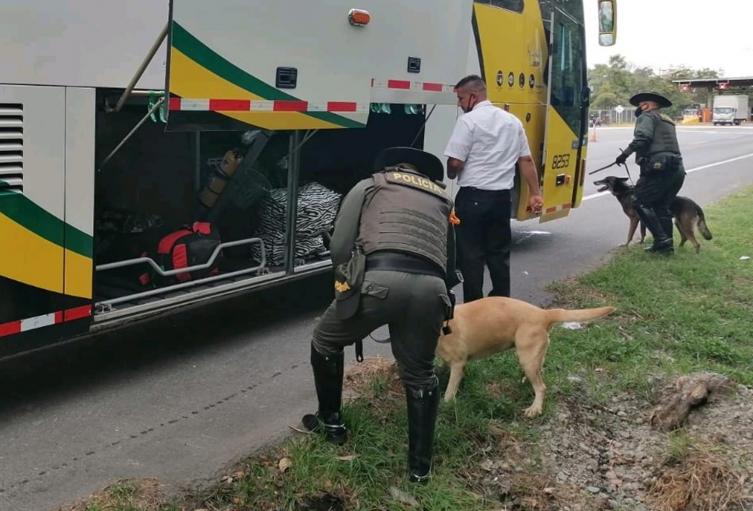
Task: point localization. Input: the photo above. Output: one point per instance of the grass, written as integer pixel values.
(675, 316)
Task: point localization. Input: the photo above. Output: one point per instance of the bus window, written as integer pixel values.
(510, 5)
(567, 78)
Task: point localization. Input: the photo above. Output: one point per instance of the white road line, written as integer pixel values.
(702, 167)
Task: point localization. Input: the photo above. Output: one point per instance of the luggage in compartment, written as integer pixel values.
(190, 246)
(317, 208)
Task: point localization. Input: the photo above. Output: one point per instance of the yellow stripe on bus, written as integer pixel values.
(33, 260)
(191, 80)
(78, 275)
(37, 262)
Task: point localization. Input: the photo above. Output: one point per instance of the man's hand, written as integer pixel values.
(535, 203)
(454, 167)
(620, 160)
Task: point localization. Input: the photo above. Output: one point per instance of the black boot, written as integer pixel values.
(422, 416)
(328, 378)
(662, 242)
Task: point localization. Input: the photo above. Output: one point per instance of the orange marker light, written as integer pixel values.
(359, 17)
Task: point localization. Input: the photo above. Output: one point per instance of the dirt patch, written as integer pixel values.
(142, 494)
(590, 457)
(361, 378)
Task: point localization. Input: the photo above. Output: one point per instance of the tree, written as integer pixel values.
(614, 83)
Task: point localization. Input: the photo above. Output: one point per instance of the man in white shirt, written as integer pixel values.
(482, 154)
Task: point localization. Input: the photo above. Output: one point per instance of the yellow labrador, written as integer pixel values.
(490, 325)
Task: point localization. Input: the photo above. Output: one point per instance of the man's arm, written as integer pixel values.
(458, 148)
(531, 177)
(347, 222)
(454, 167)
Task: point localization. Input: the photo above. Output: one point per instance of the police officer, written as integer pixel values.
(393, 252)
(662, 172)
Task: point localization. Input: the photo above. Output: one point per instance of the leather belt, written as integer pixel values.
(398, 261)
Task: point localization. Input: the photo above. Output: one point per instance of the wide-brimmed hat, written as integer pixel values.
(425, 163)
(650, 96)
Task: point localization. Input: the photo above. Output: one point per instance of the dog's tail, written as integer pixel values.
(562, 315)
(702, 227)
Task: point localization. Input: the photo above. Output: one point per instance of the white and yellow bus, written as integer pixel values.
(127, 126)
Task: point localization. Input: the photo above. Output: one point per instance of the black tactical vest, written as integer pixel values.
(665, 137)
(406, 212)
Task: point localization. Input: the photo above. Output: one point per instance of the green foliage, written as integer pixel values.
(614, 83)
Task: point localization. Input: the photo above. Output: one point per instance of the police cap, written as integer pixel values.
(425, 163)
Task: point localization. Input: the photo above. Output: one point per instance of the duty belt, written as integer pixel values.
(398, 261)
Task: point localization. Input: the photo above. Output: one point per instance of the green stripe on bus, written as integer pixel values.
(24, 212)
(214, 62)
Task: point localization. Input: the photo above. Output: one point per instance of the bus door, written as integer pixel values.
(566, 123)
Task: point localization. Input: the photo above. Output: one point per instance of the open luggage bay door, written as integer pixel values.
(566, 122)
(288, 65)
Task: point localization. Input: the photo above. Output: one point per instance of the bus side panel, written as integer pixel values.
(72, 43)
(79, 201)
(32, 204)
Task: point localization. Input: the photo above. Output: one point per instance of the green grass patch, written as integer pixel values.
(675, 315)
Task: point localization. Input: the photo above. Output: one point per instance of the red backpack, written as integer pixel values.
(187, 247)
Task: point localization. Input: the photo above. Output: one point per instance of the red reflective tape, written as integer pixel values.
(77, 313)
(14, 327)
(174, 103)
(433, 87)
(341, 106)
(227, 105)
(398, 84)
(59, 317)
(566, 206)
(551, 210)
(290, 106)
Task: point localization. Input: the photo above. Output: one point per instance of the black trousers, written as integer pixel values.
(656, 190)
(483, 238)
(412, 305)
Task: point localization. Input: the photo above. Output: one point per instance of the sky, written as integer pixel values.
(717, 34)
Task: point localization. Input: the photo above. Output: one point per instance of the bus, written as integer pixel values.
(160, 155)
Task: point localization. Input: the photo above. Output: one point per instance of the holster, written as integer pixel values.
(449, 312)
(348, 281)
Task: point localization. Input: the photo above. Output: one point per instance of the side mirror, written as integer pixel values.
(607, 22)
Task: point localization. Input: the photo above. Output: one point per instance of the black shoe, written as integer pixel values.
(663, 247)
(334, 429)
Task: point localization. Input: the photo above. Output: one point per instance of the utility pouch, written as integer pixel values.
(661, 163)
(348, 280)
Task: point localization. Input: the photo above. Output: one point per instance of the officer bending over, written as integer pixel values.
(662, 173)
(393, 252)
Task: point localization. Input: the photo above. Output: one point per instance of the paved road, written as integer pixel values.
(183, 398)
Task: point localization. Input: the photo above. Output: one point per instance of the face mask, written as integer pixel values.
(469, 106)
(638, 112)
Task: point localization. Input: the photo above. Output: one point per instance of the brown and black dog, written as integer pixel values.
(483, 327)
(684, 210)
